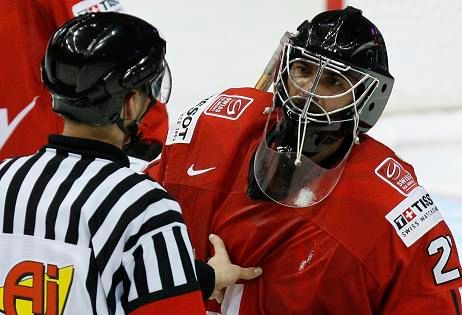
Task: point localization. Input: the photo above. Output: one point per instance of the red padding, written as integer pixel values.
(335, 4)
(186, 304)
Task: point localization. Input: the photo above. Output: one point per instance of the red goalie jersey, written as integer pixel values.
(376, 245)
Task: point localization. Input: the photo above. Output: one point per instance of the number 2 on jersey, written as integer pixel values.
(444, 245)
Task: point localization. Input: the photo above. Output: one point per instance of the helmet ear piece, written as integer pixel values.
(304, 26)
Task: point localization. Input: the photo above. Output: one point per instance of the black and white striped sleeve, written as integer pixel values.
(158, 263)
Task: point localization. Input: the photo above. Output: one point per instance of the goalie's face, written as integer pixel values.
(330, 91)
(315, 121)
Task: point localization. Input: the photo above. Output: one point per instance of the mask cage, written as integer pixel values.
(306, 104)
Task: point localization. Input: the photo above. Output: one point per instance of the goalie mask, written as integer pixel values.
(332, 83)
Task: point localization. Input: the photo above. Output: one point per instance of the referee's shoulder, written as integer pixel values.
(145, 176)
(157, 188)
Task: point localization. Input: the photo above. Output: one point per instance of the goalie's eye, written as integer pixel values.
(299, 70)
(333, 80)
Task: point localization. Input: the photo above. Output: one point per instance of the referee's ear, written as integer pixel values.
(131, 102)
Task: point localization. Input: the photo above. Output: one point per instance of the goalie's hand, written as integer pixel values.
(227, 273)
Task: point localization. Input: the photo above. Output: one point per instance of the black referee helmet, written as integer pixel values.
(93, 61)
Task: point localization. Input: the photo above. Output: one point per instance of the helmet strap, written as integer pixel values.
(131, 130)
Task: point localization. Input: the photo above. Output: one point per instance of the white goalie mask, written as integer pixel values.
(317, 106)
(332, 84)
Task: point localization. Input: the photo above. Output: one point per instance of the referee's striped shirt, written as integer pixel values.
(81, 194)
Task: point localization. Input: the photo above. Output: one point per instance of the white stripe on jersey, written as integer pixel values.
(25, 190)
(63, 217)
(152, 271)
(5, 182)
(113, 263)
(179, 277)
(4, 163)
(127, 199)
(101, 304)
(130, 270)
(96, 199)
(118, 293)
(50, 191)
(232, 299)
(148, 236)
(91, 183)
(152, 211)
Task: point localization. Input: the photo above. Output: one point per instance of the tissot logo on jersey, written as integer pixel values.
(406, 217)
(414, 216)
(394, 174)
(184, 127)
(93, 6)
(229, 106)
(32, 287)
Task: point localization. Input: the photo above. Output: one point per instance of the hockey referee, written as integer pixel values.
(81, 233)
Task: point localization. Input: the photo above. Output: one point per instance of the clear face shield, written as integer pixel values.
(319, 119)
(158, 89)
(161, 85)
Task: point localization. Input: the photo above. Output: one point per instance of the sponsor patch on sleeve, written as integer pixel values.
(394, 174)
(229, 106)
(93, 6)
(414, 216)
(183, 129)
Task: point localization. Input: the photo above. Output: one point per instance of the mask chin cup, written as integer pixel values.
(300, 186)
